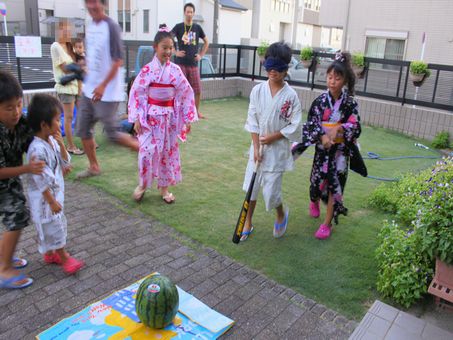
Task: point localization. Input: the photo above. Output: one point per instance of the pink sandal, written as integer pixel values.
(314, 209)
(53, 258)
(323, 232)
(72, 266)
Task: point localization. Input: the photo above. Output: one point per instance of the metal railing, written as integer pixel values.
(383, 78)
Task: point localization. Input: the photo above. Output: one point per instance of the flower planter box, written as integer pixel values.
(442, 285)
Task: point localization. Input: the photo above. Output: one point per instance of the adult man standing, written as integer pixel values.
(103, 86)
(188, 34)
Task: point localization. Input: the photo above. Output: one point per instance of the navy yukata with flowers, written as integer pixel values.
(330, 166)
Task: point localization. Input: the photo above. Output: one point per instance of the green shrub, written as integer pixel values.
(403, 269)
(358, 59)
(435, 216)
(306, 53)
(442, 140)
(419, 67)
(261, 50)
(424, 207)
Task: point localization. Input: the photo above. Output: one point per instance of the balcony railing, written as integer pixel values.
(384, 79)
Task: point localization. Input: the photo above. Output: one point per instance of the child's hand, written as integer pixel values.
(58, 137)
(55, 207)
(35, 167)
(257, 156)
(334, 132)
(67, 170)
(137, 127)
(326, 141)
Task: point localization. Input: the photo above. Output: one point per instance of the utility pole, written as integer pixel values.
(215, 37)
(345, 43)
(295, 23)
(256, 18)
(215, 30)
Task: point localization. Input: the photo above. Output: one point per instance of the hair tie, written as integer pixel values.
(339, 57)
(164, 29)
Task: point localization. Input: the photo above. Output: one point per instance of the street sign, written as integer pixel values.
(28, 47)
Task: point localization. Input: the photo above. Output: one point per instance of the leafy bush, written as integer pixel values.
(358, 59)
(424, 207)
(419, 67)
(306, 53)
(261, 50)
(404, 270)
(441, 141)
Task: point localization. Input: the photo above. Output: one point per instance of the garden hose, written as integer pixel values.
(375, 156)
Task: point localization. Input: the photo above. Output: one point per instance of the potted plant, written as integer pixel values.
(306, 57)
(261, 50)
(358, 64)
(418, 72)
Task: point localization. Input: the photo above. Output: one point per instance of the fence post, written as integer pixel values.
(19, 72)
(254, 63)
(405, 86)
(238, 61)
(435, 86)
(127, 62)
(224, 61)
(399, 81)
(365, 83)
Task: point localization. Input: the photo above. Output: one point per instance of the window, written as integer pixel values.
(124, 15)
(146, 21)
(385, 48)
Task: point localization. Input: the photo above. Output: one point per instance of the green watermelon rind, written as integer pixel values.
(157, 310)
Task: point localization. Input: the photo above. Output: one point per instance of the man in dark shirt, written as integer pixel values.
(187, 57)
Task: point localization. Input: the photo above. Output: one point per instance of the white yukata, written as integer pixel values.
(51, 227)
(267, 115)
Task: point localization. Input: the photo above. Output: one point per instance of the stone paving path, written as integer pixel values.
(120, 247)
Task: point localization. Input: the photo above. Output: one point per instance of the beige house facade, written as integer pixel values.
(394, 29)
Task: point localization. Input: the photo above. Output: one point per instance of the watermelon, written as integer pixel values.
(157, 301)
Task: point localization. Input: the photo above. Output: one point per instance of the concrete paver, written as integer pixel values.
(121, 247)
(388, 323)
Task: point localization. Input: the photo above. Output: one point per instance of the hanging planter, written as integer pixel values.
(306, 58)
(418, 72)
(358, 65)
(261, 50)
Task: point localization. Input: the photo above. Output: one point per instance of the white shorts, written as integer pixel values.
(52, 235)
(270, 182)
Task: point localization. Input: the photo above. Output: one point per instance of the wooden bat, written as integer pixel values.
(245, 207)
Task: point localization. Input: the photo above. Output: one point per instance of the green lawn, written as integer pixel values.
(339, 272)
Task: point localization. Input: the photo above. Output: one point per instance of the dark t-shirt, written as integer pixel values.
(188, 37)
(13, 145)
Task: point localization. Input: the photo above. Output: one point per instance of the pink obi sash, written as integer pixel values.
(161, 95)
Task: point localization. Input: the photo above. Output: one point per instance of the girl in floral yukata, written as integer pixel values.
(273, 120)
(161, 107)
(332, 124)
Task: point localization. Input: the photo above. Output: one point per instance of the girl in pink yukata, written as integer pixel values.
(161, 106)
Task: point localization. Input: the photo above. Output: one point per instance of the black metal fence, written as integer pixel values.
(383, 78)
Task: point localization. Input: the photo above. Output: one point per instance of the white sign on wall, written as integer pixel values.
(28, 47)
